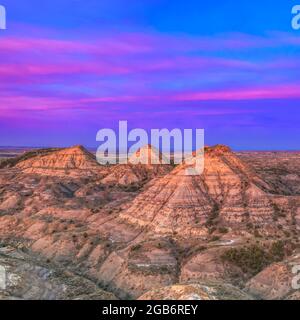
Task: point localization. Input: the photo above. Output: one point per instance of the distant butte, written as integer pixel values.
(61, 161)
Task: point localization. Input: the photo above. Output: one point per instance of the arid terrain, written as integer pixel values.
(73, 229)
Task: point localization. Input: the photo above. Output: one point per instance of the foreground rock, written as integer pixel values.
(276, 281)
(200, 291)
(25, 279)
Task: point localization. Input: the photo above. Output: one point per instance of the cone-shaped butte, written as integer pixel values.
(148, 155)
(146, 163)
(61, 162)
(227, 193)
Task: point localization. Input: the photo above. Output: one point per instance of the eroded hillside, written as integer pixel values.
(132, 229)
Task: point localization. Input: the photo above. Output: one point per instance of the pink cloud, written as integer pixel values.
(134, 43)
(38, 69)
(124, 44)
(22, 103)
(125, 53)
(275, 92)
(140, 62)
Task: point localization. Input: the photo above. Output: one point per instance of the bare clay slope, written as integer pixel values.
(64, 161)
(170, 229)
(228, 193)
(57, 207)
(280, 169)
(146, 163)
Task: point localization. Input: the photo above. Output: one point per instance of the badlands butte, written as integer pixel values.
(73, 229)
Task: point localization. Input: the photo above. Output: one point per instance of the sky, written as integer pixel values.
(70, 68)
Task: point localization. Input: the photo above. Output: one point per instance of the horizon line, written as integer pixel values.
(95, 148)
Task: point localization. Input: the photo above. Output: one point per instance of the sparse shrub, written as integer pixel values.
(257, 234)
(136, 247)
(277, 251)
(287, 234)
(215, 238)
(249, 225)
(213, 216)
(97, 240)
(250, 259)
(131, 188)
(282, 214)
(212, 230)
(253, 259)
(278, 213)
(223, 230)
(79, 225)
